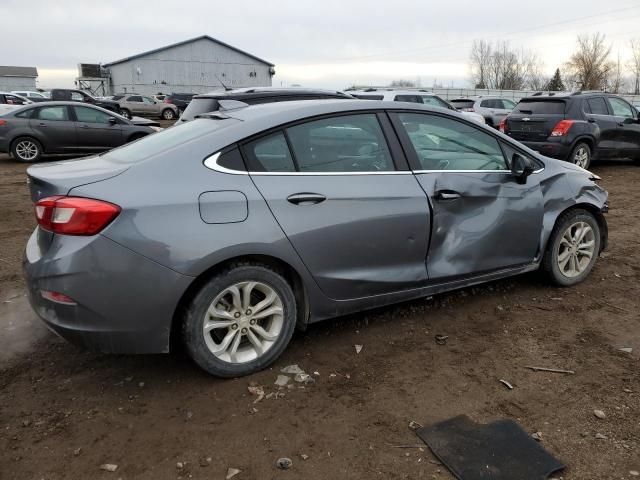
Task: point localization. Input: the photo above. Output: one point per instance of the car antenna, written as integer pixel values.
(226, 89)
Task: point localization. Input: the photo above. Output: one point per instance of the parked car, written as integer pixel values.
(13, 99)
(264, 218)
(146, 106)
(577, 127)
(180, 100)
(61, 94)
(33, 96)
(492, 109)
(210, 102)
(64, 128)
(412, 96)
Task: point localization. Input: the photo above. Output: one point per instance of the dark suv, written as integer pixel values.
(71, 95)
(209, 102)
(576, 126)
(180, 100)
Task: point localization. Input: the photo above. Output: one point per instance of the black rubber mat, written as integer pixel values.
(498, 451)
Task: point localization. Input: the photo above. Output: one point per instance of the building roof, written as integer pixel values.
(201, 37)
(6, 71)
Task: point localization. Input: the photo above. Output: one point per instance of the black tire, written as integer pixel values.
(578, 153)
(550, 261)
(21, 145)
(125, 113)
(194, 318)
(168, 114)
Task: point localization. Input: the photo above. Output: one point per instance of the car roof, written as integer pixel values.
(268, 92)
(402, 91)
(61, 103)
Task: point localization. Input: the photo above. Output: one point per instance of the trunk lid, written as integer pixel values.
(58, 178)
(533, 119)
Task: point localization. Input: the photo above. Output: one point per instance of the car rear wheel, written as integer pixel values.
(573, 248)
(26, 149)
(168, 114)
(125, 113)
(240, 321)
(581, 155)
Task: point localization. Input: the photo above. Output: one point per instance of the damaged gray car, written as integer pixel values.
(230, 231)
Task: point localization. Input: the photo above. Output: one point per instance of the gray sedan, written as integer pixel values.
(230, 231)
(68, 128)
(147, 107)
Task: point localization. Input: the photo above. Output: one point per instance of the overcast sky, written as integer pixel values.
(325, 43)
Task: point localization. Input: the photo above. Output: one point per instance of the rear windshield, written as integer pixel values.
(462, 103)
(165, 140)
(542, 107)
(199, 106)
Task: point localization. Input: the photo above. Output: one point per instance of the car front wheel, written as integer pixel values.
(573, 248)
(581, 155)
(240, 321)
(168, 114)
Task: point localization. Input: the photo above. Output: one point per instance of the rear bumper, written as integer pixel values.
(551, 149)
(125, 302)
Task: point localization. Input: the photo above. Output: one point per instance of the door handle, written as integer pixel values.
(42, 124)
(306, 198)
(84, 126)
(591, 120)
(621, 124)
(447, 195)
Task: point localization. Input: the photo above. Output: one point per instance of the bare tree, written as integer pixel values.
(589, 66)
(634, 64)
(616, 82)
(479, 61)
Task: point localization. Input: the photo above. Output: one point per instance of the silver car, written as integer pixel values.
(146, 107)
(493, 109)
(230, 231)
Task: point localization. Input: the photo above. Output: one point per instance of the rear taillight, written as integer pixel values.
(561, 128)
(503, 125)
(167, 100)
(3, 123)
(57, 297)
(75, 215)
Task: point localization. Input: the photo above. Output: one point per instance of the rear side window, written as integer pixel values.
(620, 108)
(541, 107)
(91, 115)
(25, 114)
(408, 98)
(369, 97)
(507, 104)
(59, 113)
(460, 104)
(135, 98)
(597, 106)
(270, 154)
(445, 144)
(349, 143)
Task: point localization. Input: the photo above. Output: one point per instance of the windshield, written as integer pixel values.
(165, 140)
(459, 104)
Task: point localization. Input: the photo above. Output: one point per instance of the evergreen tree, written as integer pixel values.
(556, 84)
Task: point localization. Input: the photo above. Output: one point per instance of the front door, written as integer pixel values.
(95, 131)
(55, 128)
(360, 225)
(628, 129)
(597, 112)
(483, 220)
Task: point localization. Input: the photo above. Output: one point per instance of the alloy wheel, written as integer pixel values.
(27, 150)
(168, 114)
(581, 157)
(243, 322)
(576, 249)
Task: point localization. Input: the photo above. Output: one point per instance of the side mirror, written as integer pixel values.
(629, 120)
(113, 120)
(521, 167)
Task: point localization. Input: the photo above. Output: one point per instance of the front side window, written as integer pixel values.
(13, 100)
(91, 115)
(348, 143)
(55, 114)
(620, 108)
(445, 144)
(270, 154)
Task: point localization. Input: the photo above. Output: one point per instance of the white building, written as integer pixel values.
(18, 78)
(198, 65)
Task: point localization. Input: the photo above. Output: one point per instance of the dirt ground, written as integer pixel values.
(64, 412)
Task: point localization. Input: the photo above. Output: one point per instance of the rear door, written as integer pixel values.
(483, 220)
(627, 127)
(55, 129)
(135, 104)
(533, 119)
(346, 200)
(94, 131)
(597, 111)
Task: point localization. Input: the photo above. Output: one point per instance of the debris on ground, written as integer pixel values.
(506, 384)
(358, 348)
(109, 467)
(600, 436)
(600, 414)
(232, 472)
(292, 369)
(304, 457)
(552, 370)
(179, 465)
(284, 463)
(537, 436)
(257, 391)
(634, 473)
(626, 349)
(414, 425)
(441, 339)
(282, 380)
(77, 451)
